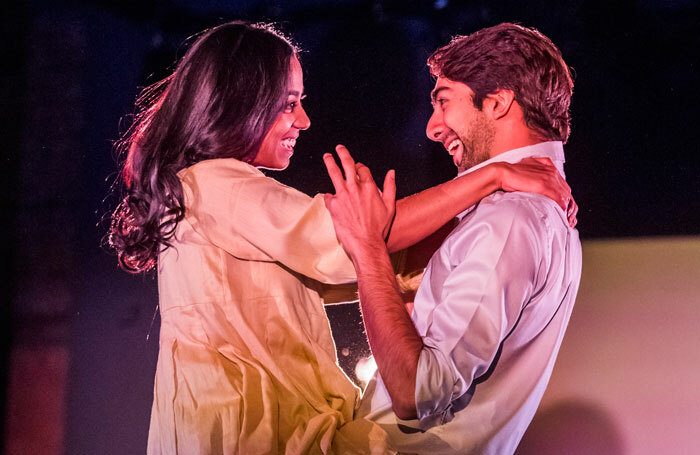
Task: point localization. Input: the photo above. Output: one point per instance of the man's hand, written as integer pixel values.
(362, 214)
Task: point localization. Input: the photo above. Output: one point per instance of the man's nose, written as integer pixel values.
(302, 120)
(434, 128)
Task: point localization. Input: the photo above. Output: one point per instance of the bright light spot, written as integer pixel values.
(364, 370)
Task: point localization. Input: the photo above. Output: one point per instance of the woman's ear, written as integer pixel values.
(498, 104)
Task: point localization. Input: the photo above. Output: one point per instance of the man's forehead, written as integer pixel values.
(443, 82)
(445, 85)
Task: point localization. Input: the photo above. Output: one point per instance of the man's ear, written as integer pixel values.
(498, 104)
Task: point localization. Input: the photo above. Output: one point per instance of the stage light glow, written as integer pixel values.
(364, 370)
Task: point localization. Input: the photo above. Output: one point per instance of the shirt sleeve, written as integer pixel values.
(493, 265)
(253, 217)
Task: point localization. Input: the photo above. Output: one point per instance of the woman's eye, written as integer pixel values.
(290, 107)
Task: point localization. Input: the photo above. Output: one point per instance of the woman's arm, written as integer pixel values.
(421, 214)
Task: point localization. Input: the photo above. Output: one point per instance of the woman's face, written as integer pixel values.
(278, 146)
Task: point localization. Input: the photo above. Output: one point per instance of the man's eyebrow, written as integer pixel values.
(436, 91)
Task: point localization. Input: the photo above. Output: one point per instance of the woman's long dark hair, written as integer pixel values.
(220, 101)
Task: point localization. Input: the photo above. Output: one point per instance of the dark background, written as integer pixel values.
(73, 69)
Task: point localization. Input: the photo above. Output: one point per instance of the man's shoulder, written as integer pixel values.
(524, 221)
(519, 207)
(502, 213)
(511, 200)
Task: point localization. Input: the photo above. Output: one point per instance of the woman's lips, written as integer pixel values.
(289, 143)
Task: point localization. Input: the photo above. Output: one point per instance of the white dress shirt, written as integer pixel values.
(492, 310)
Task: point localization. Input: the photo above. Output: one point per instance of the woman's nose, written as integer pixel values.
(302, 120)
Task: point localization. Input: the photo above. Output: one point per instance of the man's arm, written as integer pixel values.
(480, 300)
(497, 261)
(361, 216)
(395, 343)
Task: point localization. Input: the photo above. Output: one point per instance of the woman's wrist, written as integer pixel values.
(494, 175)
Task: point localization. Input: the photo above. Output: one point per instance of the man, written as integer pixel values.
(466, 372)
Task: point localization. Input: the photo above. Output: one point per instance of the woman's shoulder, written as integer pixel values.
(223, 167)
(222, 174)
(230, 176)
(210, 180)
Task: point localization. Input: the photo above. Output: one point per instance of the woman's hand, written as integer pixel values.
(539, 175)
(361, 213)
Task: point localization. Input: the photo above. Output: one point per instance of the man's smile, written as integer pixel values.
(455, 148)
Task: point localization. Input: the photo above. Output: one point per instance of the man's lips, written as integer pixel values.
(455, 148)
(452, 146)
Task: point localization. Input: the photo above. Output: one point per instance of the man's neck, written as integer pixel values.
(514, 138)
(549, 149)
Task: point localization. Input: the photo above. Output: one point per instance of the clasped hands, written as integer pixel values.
(362, 214)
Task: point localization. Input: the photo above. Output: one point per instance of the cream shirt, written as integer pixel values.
(247, 364)
(492, 309)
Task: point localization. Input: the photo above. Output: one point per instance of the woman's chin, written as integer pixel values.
(279, 166)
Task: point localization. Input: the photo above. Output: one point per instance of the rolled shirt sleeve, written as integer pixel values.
(478, 289)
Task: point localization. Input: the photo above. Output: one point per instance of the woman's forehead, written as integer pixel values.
(296, 76)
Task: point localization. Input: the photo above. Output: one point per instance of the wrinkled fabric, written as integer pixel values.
(247, 364)
(492, 309)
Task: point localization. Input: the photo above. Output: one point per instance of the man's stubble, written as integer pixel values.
(478, 142)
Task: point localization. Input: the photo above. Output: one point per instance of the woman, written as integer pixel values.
(247, 363)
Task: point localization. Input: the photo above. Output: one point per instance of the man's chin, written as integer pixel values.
(463, 160)
(457, 159)
(465, 164)
(469, 160)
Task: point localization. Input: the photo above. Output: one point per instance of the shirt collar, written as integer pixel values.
(554, 150)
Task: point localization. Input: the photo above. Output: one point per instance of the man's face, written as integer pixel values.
(466, 132)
